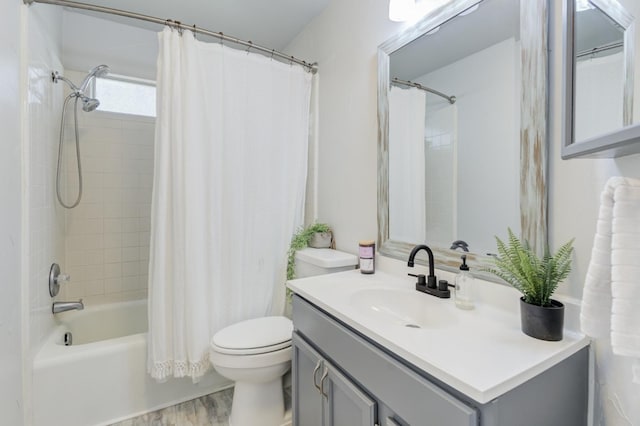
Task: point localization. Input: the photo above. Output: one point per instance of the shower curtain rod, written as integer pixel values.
(599, 49)
(312, 67)
(451, 99)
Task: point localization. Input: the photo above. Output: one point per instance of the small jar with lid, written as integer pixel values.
(367, 256)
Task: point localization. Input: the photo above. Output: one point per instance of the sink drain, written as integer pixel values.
(412, 325)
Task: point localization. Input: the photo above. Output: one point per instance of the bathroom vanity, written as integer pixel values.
(369, 350)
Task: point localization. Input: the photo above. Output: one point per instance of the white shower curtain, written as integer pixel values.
(228, 193)
(407, 215)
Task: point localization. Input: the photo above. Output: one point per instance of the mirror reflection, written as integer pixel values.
(454, 130)
(601, 80)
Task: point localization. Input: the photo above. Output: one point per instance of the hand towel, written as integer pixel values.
(611, 298)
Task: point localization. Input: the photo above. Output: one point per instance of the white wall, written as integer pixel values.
(45, 220)
(344, 40)
(43, 224)
(574, 195)
(89, 41)
(11, 309)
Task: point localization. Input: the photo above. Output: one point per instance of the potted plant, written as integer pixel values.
(537, 279)
(318, 234)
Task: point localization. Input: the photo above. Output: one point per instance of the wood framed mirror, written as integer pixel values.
(486, 153)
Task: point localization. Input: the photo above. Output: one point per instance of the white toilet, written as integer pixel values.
(256, 353)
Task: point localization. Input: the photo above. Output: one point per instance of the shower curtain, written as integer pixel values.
(407, 215)
(228, 193)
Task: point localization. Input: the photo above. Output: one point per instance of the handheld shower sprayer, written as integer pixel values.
(88, 105)
(99, 71)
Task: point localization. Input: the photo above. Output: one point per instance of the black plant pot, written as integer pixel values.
(542, 322)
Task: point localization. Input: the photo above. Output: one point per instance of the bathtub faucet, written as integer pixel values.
(58, 307)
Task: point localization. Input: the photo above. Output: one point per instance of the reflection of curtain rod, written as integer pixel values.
(599, 49)
(312, 67)
(451, 99)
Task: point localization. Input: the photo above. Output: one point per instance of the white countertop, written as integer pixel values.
(481, 353)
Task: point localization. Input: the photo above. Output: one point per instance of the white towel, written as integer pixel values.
(611, 298)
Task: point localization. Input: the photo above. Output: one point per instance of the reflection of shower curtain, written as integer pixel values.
(407, 220)
(441, 159)
(229, 182)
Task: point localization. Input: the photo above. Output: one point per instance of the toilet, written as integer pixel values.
(256, 353)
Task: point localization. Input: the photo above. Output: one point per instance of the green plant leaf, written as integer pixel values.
(536, 278)
(301, 240)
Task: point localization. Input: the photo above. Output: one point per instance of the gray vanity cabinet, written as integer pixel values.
(324, 396)
(341, 378)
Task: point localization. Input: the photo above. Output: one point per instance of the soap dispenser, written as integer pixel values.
(464, 286)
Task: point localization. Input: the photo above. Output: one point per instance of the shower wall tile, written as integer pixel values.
(107, 238)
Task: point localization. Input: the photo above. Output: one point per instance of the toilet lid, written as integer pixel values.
(253, 336)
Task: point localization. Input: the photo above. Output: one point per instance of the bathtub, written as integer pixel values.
(102, 377)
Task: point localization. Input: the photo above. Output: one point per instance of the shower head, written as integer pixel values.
(99, 71)
(89, 104)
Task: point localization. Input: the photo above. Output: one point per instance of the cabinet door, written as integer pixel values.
(345, 404)
(307, 366)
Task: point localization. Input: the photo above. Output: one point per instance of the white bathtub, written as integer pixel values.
(102, 378)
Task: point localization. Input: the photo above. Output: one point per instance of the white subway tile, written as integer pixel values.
(113, 285)
(112, 240)
(130, 254)
(144, 238)
(130, 224)
(81, 226)
(129, 269)
(130, 239)
(93, 288)
(113, 270)
(85, 242)
(143, 267)
(112, 255)
(145, 223)
(144, 253)
(130, 210)
(130, 283)
(74, 290)
(112, 210)
(112, 225)
(112, 180)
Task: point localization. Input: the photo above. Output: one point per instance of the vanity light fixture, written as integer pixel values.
(401, 10)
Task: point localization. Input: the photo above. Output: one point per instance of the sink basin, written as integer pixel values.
(405, 308)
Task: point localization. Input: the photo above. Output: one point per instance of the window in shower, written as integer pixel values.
(126, 95)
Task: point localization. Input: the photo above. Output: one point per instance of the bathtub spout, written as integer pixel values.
(58, 307)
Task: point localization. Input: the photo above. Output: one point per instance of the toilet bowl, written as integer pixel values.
(255, 354)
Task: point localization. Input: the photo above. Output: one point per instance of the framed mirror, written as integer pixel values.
(462, 106)
(602, 97)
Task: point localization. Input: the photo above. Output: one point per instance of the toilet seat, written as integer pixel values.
(254, 336)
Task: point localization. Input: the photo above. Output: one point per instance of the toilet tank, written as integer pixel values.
(318, 261)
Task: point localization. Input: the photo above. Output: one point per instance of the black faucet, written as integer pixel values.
(430, 285)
